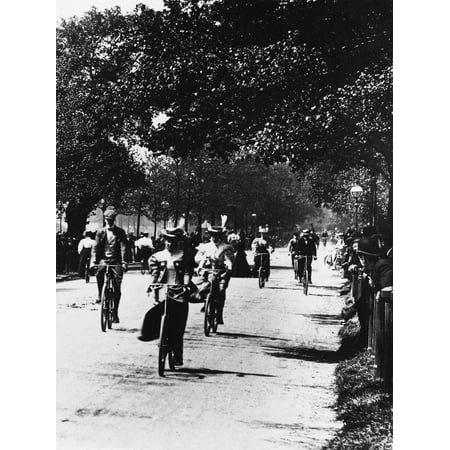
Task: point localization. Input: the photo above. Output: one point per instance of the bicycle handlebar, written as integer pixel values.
(106, 265)
(153, 285)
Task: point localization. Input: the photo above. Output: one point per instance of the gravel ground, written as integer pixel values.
(265, 381)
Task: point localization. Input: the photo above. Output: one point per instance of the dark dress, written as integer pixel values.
(241, 269)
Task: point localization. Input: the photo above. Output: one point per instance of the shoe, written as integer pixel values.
(116, 319)
(143, 339)
(99, 300)
(202, 308)
(220, 319)
(177, 362)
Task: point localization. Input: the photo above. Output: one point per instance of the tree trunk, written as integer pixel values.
(76, 218)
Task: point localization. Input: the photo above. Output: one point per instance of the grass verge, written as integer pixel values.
(363, 406)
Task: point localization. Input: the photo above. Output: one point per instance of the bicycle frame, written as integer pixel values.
(210, 319)
(305, 272)
(107, 304)
(262, 271)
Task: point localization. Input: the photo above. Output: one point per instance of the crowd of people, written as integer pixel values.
(184, 261)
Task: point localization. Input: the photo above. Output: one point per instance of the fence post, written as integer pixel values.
(370, 340)
(380, 337)
(388, 353)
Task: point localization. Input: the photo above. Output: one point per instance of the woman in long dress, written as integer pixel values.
(241, 269)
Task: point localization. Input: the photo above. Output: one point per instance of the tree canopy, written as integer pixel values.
(304, 82)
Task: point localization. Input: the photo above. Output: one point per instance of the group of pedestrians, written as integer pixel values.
(304, 245)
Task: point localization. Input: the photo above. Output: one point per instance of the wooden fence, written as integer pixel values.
(379, 330)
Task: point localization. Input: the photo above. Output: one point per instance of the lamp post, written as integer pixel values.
(356, 192)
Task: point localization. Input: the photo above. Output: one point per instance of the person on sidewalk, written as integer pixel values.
(173, 265)
(145, 248)
(84, 250)
(110, 248)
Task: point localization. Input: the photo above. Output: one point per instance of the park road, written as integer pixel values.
(265, 381)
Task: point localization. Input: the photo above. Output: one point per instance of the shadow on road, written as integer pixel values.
(324, 319)
(304, 353)
(204, 371)
(252, 336)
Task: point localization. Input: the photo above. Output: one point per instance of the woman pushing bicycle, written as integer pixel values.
(172, 266)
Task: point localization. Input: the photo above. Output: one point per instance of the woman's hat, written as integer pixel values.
(216, 230)
(262, 229)
(173, 233)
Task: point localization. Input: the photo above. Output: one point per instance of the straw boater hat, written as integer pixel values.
(306, 231)
(174, 234)
(110, 212)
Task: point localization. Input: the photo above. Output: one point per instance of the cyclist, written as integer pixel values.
(306, 247)
(262, 248)
(110, 247)
(145, 248)
(324, 237)
(217, 254)
(173, 265)
(292, 246)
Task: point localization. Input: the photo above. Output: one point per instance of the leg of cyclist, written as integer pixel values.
(266, 262)
(100, 281)
(301, 268)
(256, 265)
(309, 267)
(180, 313)
(223, 284)
(117, 281)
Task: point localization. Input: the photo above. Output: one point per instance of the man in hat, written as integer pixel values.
(174, 266)
(262, 247)
(217, 254)
(306, 247)
(110, 248)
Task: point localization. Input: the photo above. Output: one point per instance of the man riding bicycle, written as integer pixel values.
(217, 254)
(110, 248)
(306, 247)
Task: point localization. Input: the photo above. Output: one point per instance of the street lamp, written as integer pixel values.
(356, 192)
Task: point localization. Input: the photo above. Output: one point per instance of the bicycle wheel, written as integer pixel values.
(163, 347)
(104, 308)
(207, 320)
(261, 278)
(305, 282)
(213, 318)
(110, 307)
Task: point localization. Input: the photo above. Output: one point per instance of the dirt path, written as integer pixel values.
(263, 382)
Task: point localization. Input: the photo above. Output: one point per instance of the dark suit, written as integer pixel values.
(306, 247)
(120, 246)
(119, 252)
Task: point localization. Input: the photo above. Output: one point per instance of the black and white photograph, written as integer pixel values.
(224, 224)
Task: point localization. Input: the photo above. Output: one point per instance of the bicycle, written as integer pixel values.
(211, 303)
(165, 345)
(262, 271)
(305, 272)
(107, 297)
